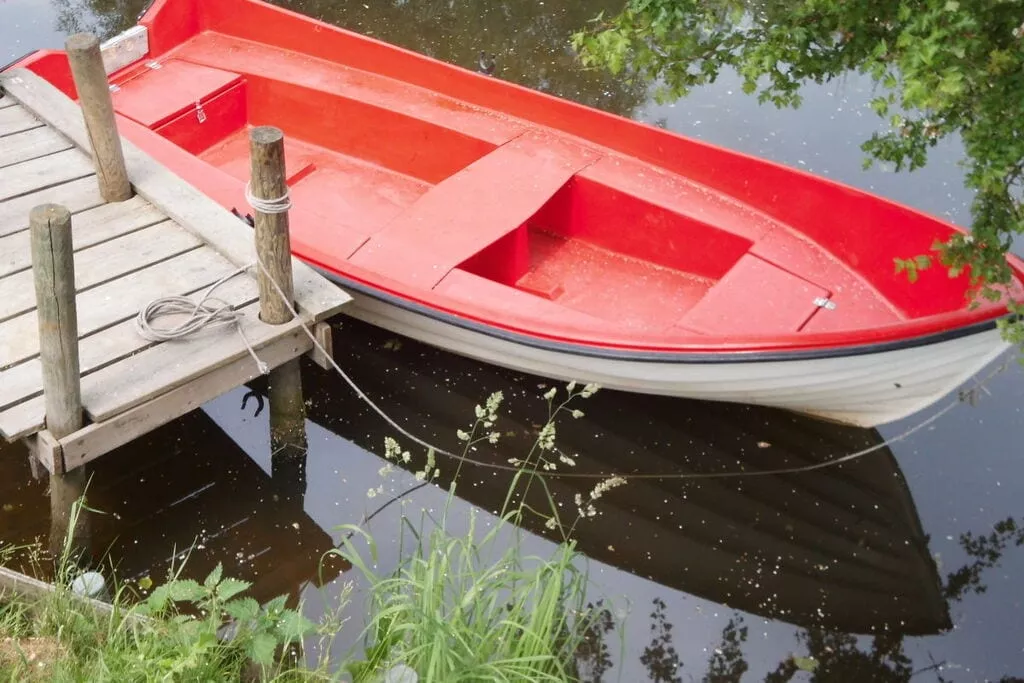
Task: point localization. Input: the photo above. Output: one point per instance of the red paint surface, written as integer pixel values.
(528, 213)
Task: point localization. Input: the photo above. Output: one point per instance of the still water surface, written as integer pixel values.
(860, 565)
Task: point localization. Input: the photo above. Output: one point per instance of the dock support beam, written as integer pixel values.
(83, 50)
(53, 269)
(273, 246)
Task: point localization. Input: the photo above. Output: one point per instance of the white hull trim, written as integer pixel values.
(864, 390)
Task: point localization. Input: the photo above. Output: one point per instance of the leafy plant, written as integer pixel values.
(177, 633)
(466, 606)
(257, 631)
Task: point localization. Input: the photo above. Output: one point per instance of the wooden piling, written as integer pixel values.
(83, 50)
(273, 246)
(53, 270)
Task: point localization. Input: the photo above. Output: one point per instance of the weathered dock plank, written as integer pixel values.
(34, 143)
(90, 227)
(95, 440)
(38, 174)
(161, 368)
(25, 380)
(103, 263)
(189, 207)
(76, 195)
(17, 119)
(118, 300)
(202, 377)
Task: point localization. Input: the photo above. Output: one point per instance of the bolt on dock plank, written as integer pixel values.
(168, 239)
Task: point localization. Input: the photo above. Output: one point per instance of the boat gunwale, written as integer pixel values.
(668, 356)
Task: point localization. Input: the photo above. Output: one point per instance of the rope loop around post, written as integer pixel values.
(270, 206)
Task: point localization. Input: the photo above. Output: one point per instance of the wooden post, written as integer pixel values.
(53, 269)
(90, 78)
(273, 246)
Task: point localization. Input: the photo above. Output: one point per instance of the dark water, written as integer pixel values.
(861, 566)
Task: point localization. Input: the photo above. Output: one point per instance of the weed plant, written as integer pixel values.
(465, 607)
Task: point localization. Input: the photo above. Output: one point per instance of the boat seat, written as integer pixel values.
(472, 209)
(755, 298)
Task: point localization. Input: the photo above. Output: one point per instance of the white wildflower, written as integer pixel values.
(546, 438)
(420, 476)
(372, 493)
(386, 470)
(577, 414)
(589, 390)
(493, 437)
(605, 486)
(493, 403)
(566, 460)
(578, 498)
(551, 523)
(571, 386)
(391, 448)
(550, 393)
(463, 436)
(406, 456)
(479, 410)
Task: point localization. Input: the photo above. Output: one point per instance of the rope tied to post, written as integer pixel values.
(269, 206)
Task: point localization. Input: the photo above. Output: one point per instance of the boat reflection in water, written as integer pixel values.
(839, 548)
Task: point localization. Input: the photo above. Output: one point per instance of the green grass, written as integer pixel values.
(174, 634)
(460, 607)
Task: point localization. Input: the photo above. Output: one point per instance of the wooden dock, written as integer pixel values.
(167, 239)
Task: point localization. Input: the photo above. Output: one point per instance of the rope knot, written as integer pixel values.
(269, 206)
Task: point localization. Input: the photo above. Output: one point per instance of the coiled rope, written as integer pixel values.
(207, 313)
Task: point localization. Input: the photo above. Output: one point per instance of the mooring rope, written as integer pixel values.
(270, 206)
(207, 313)
(963, 397)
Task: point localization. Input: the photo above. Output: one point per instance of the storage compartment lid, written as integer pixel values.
(165, 90)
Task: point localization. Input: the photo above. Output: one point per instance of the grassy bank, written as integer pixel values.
(460, 606)
(177, 633)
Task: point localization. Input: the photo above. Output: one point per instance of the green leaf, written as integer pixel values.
(293, 626)
(157, 600)
(261, 648)
(214, 577)
(276, 605)
(243, 609)
(806, 663)
(186, 590)
(229, 588)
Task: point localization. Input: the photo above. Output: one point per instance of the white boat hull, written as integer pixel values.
(864, 390)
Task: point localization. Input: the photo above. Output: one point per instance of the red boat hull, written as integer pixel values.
(526, 219)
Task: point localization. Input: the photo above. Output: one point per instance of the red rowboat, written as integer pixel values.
(528, 231)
